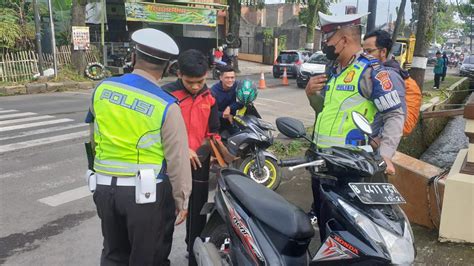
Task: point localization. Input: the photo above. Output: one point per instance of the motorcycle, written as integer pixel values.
(365, 226)
(250, 143)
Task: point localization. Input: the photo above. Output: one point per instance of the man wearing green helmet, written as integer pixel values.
(225, 92)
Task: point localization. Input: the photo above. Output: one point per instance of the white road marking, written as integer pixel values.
(43, 130)
(66, 196)
(7, 111)
(21, 120)
(36, 124)
(42, 141)
(276, 101)
(9, 116)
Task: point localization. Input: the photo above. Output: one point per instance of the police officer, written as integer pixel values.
(356, 82)
(137, 127)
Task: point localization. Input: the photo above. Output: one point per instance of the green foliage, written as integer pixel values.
(444, 20)
(294, 147)
(10, 31)
(282, 42)
(17, 28)
(267, 35)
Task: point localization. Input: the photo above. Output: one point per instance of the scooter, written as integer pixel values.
(250, 144)
(365, 226)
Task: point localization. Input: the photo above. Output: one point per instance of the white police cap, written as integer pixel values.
(330, 24)
(155, 43)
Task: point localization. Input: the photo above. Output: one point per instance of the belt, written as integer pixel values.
(121, 181)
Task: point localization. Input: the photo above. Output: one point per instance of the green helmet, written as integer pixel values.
(246, 92)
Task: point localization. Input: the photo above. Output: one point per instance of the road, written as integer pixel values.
(47, 216)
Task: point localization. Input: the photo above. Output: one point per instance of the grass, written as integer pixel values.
(65, 73)
(429, 93)
(290, 149)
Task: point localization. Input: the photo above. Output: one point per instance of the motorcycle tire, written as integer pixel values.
(271, 169)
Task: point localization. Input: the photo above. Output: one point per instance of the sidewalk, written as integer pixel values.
(250, 68)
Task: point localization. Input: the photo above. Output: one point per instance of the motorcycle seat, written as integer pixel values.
(269, 207)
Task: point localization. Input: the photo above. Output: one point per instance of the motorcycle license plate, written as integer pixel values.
(377, 193)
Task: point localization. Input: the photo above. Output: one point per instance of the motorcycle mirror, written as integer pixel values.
(362, 123)
(291, 127)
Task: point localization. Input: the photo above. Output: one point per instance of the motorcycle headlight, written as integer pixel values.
(400, 249)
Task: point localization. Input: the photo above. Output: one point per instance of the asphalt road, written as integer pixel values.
(47, 216)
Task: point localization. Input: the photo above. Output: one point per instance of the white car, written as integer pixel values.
(314, 66)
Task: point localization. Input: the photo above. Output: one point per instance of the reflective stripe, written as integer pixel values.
(329, 141)
(123, 164)
(352, 102)
(344, 117)
(124, 171)
(136, 90)
(149, 140)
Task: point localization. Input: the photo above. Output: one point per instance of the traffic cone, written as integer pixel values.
(285, 78)
(261, 83)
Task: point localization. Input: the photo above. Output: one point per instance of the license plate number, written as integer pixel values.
(377, 193)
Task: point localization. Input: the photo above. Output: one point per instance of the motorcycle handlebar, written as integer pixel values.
(292, 162)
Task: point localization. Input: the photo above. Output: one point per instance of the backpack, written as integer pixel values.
(413, 101)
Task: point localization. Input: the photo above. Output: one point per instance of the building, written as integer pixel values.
(194, 24)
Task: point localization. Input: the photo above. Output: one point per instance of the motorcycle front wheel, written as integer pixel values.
(270, 176)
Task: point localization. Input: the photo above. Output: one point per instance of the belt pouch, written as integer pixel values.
(145, 186)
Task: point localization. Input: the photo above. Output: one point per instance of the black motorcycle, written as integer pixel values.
(252, 225)
(250, 143)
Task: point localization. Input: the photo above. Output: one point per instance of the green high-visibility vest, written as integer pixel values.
(334, 125)
(129, 112)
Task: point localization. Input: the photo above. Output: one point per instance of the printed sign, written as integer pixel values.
(80, 38)
(162, 13)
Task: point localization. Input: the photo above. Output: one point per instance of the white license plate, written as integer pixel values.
(377, 193)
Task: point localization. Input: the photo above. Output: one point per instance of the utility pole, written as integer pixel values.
(398, 23)
(372, 15)
(53, 39)
(39, 49)
(425, 14)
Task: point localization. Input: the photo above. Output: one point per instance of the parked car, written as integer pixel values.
(314, 66)
(467, 67)
(292, 60)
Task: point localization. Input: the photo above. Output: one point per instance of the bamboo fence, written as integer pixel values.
(21, 66)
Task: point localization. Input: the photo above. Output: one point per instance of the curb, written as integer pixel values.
(35, 88)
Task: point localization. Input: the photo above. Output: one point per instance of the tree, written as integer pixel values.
(400, 23)
(17, 29)
(424, 33)
(78, 14)
(234, 10)
(309, 16)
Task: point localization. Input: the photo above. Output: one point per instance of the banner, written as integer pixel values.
(80, 38)
(162, 13)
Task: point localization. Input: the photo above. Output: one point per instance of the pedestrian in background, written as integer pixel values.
(445, 67)
(438, 70)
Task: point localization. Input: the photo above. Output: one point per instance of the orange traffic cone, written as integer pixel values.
(285, 78)
(261, 83)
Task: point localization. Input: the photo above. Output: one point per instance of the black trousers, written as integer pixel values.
(134, 234)
(317, 201)
(437, 79)
(196, 222)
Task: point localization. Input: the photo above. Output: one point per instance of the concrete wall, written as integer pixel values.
(428, 130)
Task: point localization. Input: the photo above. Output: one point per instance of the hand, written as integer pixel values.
(390, 170)
(315, 84)
(180, 216)
(194, 158)
(226, 112)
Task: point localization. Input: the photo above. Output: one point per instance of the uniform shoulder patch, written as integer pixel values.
(384, 78)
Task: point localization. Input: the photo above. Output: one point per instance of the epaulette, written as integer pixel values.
(373, 62)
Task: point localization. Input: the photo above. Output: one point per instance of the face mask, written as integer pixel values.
(330, 51)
